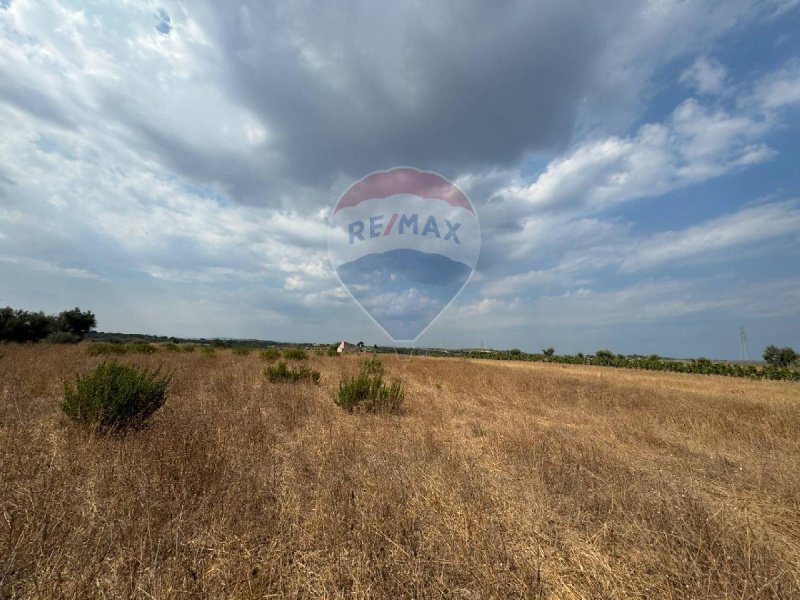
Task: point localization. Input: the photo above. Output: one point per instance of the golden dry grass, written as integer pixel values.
(498, 480)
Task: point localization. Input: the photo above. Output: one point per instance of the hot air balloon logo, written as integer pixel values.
(404, 243)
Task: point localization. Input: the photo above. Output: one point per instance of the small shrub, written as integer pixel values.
(62, 337)
(142, 348)
(270, 354)
(372, 365)
(172, 347)
(115, 396)
(242, 350)
(187, 347)
(99, 348)
(368, 393)
(209, 351)
(282, 372)
(333, 350)
(295, 354)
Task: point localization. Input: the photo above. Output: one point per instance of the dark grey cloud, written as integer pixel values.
(351, 88)
(356, 88)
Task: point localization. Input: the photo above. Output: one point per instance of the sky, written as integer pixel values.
(172, 166)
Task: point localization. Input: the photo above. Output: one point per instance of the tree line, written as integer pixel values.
(781, 362)
(69, 326)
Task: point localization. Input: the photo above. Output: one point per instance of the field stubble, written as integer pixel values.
(499, 479)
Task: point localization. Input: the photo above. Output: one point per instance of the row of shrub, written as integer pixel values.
(607, 358)
(270, 354)
(114, 396)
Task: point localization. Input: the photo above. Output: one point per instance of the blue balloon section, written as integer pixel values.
(404, 289)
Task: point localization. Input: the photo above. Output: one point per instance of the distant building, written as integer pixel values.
(347, 348)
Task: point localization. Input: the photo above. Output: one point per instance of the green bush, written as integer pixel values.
(282, 372)
(372, 365)
(295, 354)
(333, 350)
(172, 347)
(242, 350)
(98, 348)
(142, 348)
(368, 393)
(187, 347)
(604, 356)
(209, 351)
(270, 354)
(62, 337)
(115, 396)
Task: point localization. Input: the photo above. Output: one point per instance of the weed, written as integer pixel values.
(367, 392)
(282, 372)
(270, 354)
(295, 354)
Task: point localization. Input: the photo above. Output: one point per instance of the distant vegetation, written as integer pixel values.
(780, 362)
(100, 348)
(69, 326)
(780, 357)
(295, 354)
(270, 354)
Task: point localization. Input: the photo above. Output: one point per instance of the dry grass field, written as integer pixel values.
(498, 480)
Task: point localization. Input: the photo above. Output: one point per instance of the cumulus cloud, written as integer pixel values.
(696, 143)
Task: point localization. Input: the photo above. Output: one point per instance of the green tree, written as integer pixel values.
(780, 357)
(24, 326)
(604, 354)
(549, 351)
(76, 321)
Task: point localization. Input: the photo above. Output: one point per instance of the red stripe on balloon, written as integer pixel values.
(403, 180)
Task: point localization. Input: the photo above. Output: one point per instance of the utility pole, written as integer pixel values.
(743, 344)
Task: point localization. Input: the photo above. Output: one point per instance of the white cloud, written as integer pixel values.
(625, 252)
(707, 76)
(49, 267)
(695, 144)
(747, 226)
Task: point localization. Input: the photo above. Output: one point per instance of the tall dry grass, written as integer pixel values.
(498, 480)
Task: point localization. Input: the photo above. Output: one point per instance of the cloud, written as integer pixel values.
(745, 227)
(613, 248)
(695, 144)
(707, 76)
(49, 267)
(188, 153)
